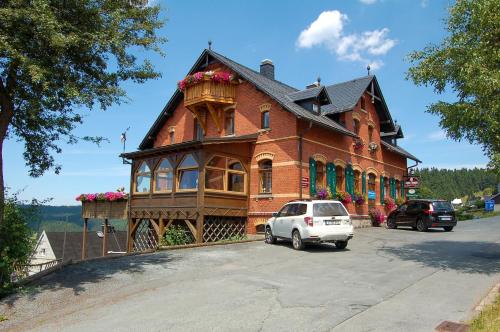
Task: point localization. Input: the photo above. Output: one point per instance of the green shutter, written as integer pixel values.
(331, 177)
(349, 180)
(312, 177)
(363, 183)
(391, 187)
(382, 193)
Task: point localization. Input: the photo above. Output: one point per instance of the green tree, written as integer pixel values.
(60, 56)
(468, 63)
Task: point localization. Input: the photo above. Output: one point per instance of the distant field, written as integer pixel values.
(67, 219)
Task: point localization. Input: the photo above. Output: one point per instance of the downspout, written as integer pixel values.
(301, 140)
(409, 167)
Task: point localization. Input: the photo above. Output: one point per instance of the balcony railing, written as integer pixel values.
(208, 91)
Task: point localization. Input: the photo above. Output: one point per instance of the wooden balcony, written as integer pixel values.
(209, 96)
(208, 91)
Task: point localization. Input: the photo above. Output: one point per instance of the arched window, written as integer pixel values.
(387, 187)
(265, 176)
(371, 188)
(355, 126)
(340, 184)
(362, 106)
(229, 122)
(320, 175)
(164, 176)
(235, 176)
(357, 181)
(225, 174)
(143, 178)
(398, 188)
(187, 174)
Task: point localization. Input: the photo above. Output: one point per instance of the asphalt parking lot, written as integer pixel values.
(386, 280)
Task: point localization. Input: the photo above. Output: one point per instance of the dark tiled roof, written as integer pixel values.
(345, 95)
(397, 132)
(279, 91)
(306, 94)
(399, 150)
(117, 242)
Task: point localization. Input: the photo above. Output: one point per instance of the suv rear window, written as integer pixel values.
(328, 210)
(442, 205)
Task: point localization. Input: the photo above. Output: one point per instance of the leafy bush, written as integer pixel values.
(400, 201)
(17, 241)
(376, 216)
(174, 236)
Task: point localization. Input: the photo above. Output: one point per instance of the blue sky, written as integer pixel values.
(305, 39)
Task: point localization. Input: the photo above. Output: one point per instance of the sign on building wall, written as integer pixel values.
(372, 194)
(305, 182)
(412, 181)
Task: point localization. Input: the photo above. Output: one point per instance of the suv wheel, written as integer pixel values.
(270, 239)
(391, 223)
(448, 228)
(297, 240)
(341, 244)
(421, 226)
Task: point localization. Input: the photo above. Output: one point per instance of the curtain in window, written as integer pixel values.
(363, 183)
(331, 177)
(382, 190)
(312, 177)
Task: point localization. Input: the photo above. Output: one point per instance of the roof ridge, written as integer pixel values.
(354, 79)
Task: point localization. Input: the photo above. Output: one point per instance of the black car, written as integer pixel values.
(422, 214)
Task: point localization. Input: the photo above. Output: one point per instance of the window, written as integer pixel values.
(328, 210)
(398, 188)
(172, 137)
(357, 181)
(340, 185)
(371, 187)
(164, 176)
(187, 174)
(143, 178)
(315, 108)
(42, 252)
(370, 134)
(264, 120)
(229, 122)
(198, 130)
(355, 126)
(387, 187)
(223, 173)
(284, 210)
(363, 103)
(265, 176)
(320, 175)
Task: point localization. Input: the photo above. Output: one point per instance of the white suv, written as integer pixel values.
(313, 221)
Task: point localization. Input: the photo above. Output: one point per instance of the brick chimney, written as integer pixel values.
(267, 68)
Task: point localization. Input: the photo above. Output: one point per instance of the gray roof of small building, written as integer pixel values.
(306, 94)
(72, 247)
(399, 150)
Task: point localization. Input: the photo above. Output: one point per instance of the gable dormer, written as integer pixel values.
(313, 98)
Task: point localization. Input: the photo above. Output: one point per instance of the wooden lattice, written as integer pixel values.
(222, 228)
(145, 237)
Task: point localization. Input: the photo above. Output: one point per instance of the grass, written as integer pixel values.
(477, 214)
(488, 320)
(3, 318)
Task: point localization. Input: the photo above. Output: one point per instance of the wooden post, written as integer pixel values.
(200, 198)
(162, 229)
(105, 238)
(84, 243)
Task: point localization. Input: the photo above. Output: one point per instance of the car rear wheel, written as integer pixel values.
(341, 244)
(421, 226)
(270, 239)
(391, 223)
(448, 228)
(297, 241)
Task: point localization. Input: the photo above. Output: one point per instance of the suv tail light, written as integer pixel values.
(430, 210)
(308, 221)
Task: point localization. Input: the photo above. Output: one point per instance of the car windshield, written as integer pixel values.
(442, 205)
(328, 210)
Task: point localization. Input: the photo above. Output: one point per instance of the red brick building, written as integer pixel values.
(237, 143)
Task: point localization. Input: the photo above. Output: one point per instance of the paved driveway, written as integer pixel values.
(387, 280)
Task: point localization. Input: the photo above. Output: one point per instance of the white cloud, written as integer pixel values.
(368, 2)
(436, 136)
(328, 31)
(424, 3)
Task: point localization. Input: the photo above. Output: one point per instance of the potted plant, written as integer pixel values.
(358, 144)
(344, 197)
(376, 216)
(389, 203)
(372, 147)
(359, 198)
(322, 193)
(400, 201)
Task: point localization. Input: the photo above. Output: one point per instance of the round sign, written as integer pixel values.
(411, 191)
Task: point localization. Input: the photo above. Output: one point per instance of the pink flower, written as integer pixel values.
(198, 76)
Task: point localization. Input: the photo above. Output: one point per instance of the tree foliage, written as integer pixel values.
(468, 63)
(17, 238)
(60, 56)
(455, 183)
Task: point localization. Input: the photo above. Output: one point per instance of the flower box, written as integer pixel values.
(212, 87)
(105, 210)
